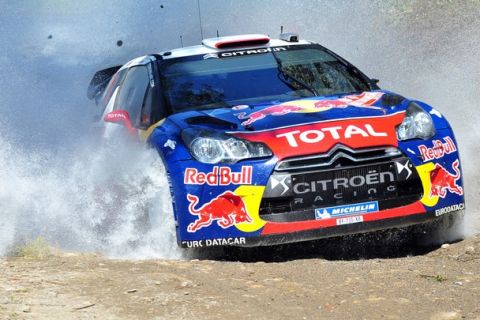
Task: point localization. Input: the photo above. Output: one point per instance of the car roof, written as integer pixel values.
(209, 46)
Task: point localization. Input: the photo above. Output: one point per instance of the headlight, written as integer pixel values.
(212, 147)
(417, 124)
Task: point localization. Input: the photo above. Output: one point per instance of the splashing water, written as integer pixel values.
(88, 200)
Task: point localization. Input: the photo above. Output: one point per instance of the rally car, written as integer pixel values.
(268, 141)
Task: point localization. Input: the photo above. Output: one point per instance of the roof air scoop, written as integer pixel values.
(247, 40)
(289, 37)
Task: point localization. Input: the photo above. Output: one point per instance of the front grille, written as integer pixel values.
(342, 176)
(339, 156)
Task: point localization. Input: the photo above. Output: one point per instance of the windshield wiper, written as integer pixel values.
(286, 75)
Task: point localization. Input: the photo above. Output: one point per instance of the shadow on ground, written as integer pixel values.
(385, 244)
(382, 244)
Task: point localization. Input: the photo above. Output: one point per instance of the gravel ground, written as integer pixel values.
(437, 283)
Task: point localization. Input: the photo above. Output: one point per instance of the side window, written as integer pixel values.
(132, 92)
(104, 99)
(114, 82)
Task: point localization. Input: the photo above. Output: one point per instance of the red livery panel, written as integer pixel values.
(322, 136)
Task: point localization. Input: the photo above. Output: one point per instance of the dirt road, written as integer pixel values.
(441, 283)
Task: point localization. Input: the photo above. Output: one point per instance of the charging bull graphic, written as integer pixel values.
(442, 180)
(227, 210)
(363, 100)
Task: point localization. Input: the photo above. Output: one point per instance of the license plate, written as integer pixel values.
(349, 220)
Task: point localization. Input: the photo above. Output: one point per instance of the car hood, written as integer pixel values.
(295, 112)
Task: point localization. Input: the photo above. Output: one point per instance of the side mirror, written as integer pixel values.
(121, 117)
(374, 83)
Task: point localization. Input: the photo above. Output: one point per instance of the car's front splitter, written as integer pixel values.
(305, 232)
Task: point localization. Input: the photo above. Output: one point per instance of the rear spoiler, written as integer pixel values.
(100, 81)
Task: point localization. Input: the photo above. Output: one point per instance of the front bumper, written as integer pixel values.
(343, 230)
(216, 206)
(308, 233)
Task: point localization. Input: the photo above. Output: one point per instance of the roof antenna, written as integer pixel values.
(218, 35)
(200, 18)
(181, 41)
(281, 29)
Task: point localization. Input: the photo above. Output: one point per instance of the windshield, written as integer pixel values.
(259, 76)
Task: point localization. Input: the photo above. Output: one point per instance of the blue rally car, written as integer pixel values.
(269, 141)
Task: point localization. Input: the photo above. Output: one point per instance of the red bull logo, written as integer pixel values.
(276, 110)
(438, 150)
(443, 181)
(219, 176)
(364, 100)
(227, 210)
